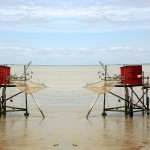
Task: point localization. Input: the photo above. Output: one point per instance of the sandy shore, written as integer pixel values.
(66, 128)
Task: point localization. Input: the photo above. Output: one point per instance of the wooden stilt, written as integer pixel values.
(26, 114)
(126, 101)
(143, 101)
(0, 106)
(131, 104)
(104, 113)
(147, 102)
(4, 101)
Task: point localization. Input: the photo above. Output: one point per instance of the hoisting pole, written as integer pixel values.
(38, 105)
(92, 106)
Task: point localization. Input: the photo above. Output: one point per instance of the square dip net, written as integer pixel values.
(29, 87)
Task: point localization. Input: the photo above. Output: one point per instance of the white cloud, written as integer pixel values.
(95, 11)
(110, 55)
(74, 51)
(67, 16)
(14, 49)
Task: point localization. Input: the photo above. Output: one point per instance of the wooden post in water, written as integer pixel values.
(104, 113)
(131, 103)
(143, 101)
(26, 96)
(126, 101)
(4, 101)
(0, 106)
(147, 103)
(147, 98)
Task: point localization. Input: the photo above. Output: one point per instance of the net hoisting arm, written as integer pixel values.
(92, 106)
(26, 68)
(103, 66)
(38, 105)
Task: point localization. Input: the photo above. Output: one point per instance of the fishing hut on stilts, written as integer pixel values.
(25, 86)
(131, 77)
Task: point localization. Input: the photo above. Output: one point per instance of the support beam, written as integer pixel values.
(140, 99)
(126, 100)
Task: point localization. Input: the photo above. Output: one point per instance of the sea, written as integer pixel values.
(65, 102)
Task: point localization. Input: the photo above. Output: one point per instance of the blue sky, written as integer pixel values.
(74, 32)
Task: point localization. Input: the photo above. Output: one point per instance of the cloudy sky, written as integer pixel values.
(74, 32)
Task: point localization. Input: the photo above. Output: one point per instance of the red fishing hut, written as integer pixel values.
(4, 75)
(135, 93)
(6, 96)
(131, 75)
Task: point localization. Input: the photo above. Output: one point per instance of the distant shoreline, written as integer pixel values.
(75, 65)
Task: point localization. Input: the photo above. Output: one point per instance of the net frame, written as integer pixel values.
(102, 86)
(29, 87)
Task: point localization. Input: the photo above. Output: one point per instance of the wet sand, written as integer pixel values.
(67, 129)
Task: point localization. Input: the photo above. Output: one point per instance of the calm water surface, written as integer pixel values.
(65, 103)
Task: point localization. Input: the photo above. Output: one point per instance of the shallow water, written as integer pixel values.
(65, 103)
